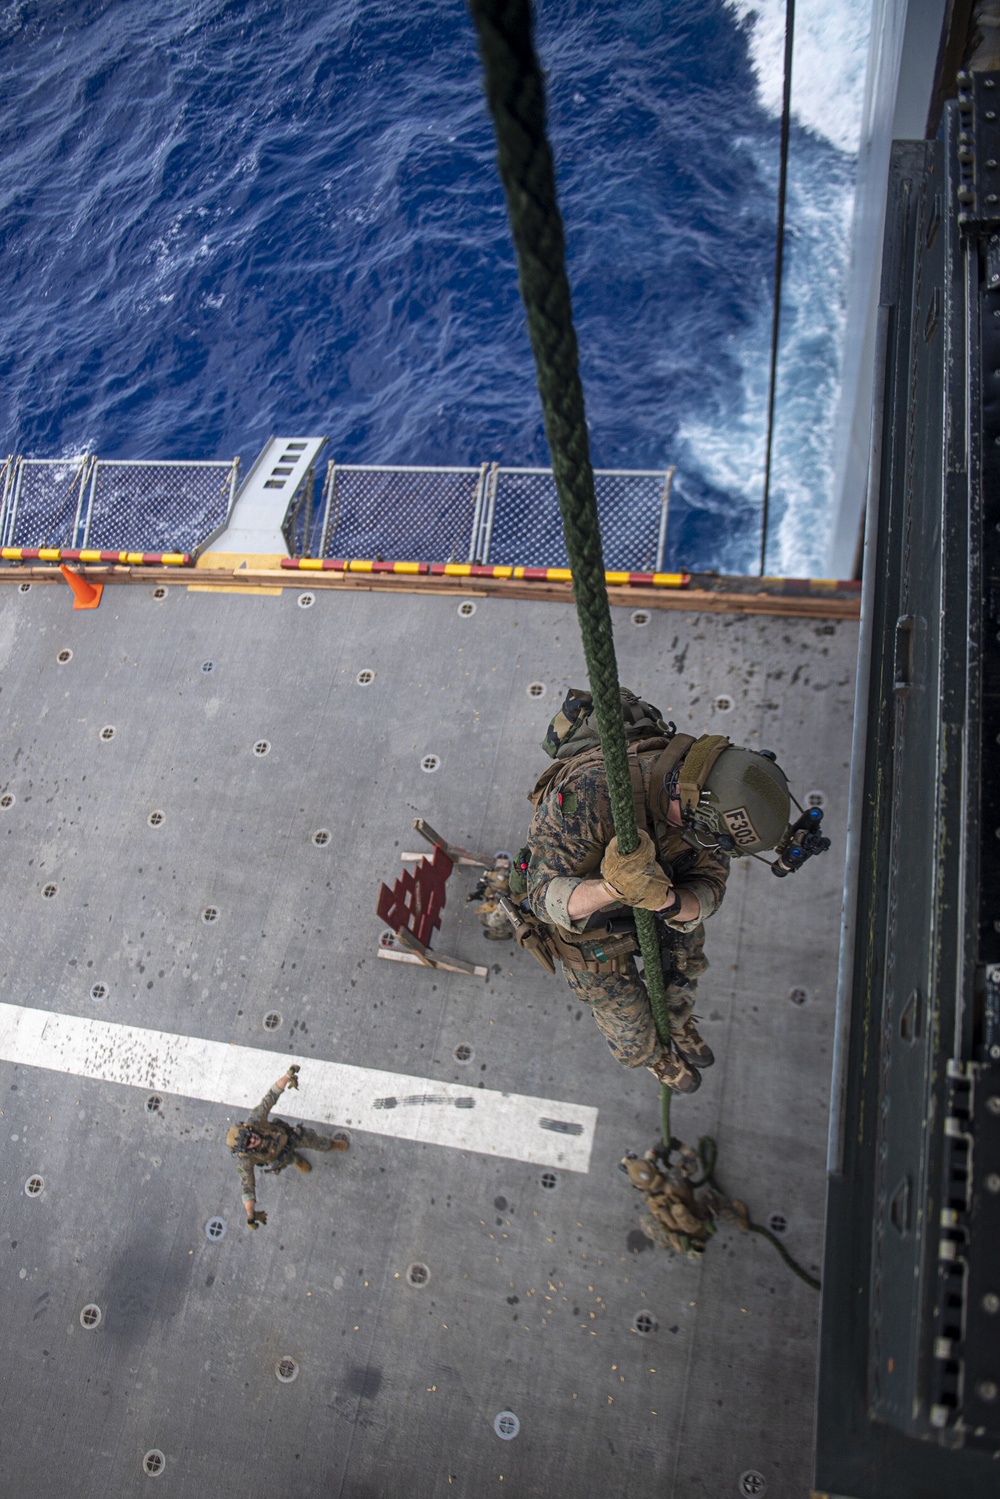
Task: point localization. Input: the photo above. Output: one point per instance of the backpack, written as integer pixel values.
(574, 727)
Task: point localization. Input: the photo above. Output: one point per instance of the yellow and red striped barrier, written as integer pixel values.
(478, 570)
(811, 587)
(63, 554)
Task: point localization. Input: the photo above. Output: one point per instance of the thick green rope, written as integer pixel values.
(515, 90)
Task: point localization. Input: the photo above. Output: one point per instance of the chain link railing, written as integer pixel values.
(43, 501)
(303, 522)
(522, 525)
(114, 504)
(487, 514)
(157, 506)
(406, 514)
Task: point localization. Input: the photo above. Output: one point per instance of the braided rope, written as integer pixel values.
(516, 93)
(707, 1155)
(515, 90)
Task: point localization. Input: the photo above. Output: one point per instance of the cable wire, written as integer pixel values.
(779, 266)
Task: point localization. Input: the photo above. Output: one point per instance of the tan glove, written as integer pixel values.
(636, 878)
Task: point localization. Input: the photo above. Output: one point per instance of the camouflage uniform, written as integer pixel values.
(569, 833)
(279, 1147)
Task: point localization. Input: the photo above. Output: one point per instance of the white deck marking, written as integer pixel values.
(499, 1124)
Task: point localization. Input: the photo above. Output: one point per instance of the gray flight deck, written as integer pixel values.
(533, 1289)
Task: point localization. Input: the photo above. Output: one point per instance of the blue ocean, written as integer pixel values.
(221, 219)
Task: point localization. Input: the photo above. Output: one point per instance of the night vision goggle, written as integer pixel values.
(802, 839)
(731, 812)
(801, 842)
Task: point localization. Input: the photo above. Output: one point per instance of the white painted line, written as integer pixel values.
(384, 1103)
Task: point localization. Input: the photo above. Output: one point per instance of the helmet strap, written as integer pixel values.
(696, 768)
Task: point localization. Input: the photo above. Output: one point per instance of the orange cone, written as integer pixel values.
(85, 595)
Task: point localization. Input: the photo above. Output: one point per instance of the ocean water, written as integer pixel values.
(225, 218)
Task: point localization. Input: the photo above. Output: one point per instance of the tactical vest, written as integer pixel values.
(603, 950)
(651, 813)
(274, 1134)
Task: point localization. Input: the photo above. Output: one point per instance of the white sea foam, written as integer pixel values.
(828, 62)
(728, 449)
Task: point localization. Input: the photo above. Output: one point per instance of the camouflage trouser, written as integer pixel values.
(621, 1005)
(299, 1134)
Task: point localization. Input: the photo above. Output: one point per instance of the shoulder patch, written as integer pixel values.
(567, 802)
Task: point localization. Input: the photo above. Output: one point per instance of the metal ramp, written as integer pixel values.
(283, 466)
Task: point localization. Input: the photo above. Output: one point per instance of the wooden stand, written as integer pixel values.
(412, 951)
(456, 854)
(412, 908)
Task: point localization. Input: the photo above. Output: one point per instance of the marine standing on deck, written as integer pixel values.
(272, 1144)
(698, 802)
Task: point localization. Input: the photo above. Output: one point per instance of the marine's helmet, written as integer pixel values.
(238, 1137)
(642, 1174)
(744, 804)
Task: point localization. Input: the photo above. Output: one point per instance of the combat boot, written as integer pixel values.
(688, 1044)
(301, 1164)
(340, 1144)
(673, 1072)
